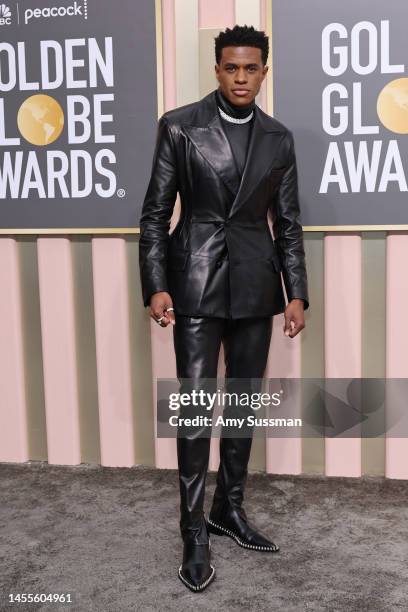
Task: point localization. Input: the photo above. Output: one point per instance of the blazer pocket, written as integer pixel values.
(278, 170)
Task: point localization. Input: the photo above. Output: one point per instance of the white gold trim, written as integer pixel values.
(240, 542)
(201, 586)
(234, 119)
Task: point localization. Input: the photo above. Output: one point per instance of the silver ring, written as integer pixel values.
(168, 309)
(159, 320)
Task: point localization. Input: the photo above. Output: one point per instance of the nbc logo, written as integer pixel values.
(5, 15)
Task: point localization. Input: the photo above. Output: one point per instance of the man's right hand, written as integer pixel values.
(159, 302)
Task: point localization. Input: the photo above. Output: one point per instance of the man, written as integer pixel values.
(217, 277)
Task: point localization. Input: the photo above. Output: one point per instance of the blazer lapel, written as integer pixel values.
(209, 138)
(263, 147)
(214, 146)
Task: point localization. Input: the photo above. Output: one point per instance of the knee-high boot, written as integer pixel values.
(193, 450)
(227, 515)
(196, 341)
(196, 570)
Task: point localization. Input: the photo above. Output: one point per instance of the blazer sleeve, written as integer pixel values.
(157, 210)
(287, 230)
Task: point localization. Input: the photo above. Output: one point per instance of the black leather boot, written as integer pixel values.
(227, 516)
(196, 571)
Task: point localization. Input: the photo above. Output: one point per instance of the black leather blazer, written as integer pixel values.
(221, 259)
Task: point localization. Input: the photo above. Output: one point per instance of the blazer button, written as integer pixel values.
(218, 263)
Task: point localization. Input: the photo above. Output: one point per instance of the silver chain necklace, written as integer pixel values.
(234, 119)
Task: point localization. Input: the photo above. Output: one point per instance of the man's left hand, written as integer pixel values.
(294, 318)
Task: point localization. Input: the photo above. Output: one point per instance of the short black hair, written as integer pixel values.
(242, 36)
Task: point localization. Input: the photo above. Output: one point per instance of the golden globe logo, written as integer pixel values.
(40, 119)
(364, 165)
(78, 71)
(392, 106)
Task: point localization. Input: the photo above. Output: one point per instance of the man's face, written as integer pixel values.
(240, 74)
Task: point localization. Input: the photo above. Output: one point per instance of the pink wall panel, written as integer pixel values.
(13, 408)
(342, 286)
(113, 356)
(216, 14)
(396, 450)
(284, 455)
(59, 349)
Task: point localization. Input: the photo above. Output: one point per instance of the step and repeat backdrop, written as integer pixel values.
(82, 84)
(78, 112)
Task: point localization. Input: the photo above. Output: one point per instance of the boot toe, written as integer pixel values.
(196, 574)
(197, 577)
(260, 542)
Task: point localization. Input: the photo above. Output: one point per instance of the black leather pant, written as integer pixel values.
(197, 342)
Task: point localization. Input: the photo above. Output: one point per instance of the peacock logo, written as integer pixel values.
(5, 14)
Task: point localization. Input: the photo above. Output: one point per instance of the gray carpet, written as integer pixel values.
(109, 536)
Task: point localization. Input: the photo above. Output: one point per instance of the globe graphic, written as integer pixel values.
(392, 106)
(40, 119)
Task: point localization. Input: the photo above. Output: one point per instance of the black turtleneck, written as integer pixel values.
(238, 134)
(240, 112)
